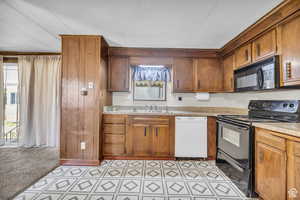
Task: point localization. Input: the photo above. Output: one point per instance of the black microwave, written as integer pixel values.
(263, 75)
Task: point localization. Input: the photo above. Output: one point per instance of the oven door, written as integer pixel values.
(233, 140)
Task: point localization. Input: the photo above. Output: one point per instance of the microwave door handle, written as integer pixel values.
(260, 78)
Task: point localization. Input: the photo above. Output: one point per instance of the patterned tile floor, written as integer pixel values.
(133, 180)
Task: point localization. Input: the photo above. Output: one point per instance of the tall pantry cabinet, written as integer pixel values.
(83, 94)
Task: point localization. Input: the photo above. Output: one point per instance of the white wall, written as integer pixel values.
(238, 100)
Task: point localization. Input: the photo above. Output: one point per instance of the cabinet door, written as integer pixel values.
(141, 140)
(72, 101)
(118, 72)
(293, 172)
(183, 75)
(208, 75)
(264, 46)
(243, 56)
(228, 67)
(270, 172)
(161, 140)
(289, 48)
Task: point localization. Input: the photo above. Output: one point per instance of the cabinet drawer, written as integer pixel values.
(114, 129)
(113, 149)
(266, 137)
(149, 120)
(117, 119)
(114, 139)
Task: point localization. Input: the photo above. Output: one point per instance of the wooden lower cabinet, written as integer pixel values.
(114, 130)
(146, 137)
(293, 172)
(161, 140)
(138, 136)
(149, 137)
(270, 172)
(277, 165)
(141, 139)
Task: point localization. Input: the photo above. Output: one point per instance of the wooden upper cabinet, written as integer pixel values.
(228, 69)
(289, 49)
(118, 74)
(264, 46)
(208, 75)
(270, 165)
(243, 56)
(183, 75)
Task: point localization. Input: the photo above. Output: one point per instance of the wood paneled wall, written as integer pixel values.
(82, 63)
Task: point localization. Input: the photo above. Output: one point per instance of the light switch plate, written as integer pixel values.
(90, 85)
(82, 145)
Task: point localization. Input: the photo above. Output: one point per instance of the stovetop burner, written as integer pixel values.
(269, 111)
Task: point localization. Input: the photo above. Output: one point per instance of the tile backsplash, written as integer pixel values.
(238, 100)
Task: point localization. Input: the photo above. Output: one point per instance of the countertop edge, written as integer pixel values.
(291, 129)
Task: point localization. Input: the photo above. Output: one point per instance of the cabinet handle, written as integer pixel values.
(177, 83)
(258, 49)
(231, 80)
(246, 55)
(288, 68)
(261, 156)
(156, 131)
(145, 131)
(124, 82)
(198, 84)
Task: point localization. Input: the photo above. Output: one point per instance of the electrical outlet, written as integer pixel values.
(82, 145)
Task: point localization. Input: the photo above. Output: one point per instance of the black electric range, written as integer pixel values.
(235, 141)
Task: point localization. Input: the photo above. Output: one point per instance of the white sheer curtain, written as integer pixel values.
(39, 80)
(1, 102)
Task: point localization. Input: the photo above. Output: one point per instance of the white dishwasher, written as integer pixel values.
(191, 137)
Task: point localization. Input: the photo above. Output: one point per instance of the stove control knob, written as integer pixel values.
(285, 105)
(292, 105)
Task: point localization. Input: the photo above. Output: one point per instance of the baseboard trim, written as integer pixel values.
(137, 158)
(78, 162)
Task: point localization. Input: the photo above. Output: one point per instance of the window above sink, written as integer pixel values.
(150, 82)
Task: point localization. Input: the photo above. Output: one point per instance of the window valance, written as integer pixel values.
(151, 73)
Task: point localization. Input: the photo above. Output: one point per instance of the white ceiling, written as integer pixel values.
(35, 25)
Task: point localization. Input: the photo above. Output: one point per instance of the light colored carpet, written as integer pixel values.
(21, 167)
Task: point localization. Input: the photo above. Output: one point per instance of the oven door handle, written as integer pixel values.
(235, 125)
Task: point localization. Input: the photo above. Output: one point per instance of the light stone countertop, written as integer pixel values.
(190, 111)
(292, 129)
(171, 113)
